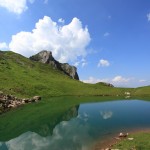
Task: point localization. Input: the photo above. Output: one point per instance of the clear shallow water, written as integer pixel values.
(93, 122)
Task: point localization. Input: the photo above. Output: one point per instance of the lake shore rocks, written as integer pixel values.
(8, 101)
(110, 142)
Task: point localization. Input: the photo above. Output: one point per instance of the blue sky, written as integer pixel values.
(108, 40)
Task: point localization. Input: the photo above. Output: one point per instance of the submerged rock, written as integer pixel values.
(123, 135)
(47, 58)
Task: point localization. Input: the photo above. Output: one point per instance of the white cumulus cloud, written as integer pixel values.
(103, 63)
(95, 80)
(82, 62)
(67, 42)
(148, 16)
(15, 6)
(120, 79)
(3, 46)
(76, 64)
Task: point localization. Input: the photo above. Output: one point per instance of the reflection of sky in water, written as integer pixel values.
(94, 121)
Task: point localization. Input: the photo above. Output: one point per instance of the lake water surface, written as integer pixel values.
(91, 122)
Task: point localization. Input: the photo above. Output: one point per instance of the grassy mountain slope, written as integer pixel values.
(145, 91)
(25, 78)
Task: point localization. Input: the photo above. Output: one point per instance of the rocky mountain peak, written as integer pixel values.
(47, 58)
(43, 56)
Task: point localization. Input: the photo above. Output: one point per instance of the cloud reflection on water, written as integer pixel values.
(106, 114)
(68, 135)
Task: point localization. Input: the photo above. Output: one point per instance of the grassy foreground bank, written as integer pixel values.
(141, 141)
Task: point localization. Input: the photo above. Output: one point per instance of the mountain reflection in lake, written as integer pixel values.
(90, 122)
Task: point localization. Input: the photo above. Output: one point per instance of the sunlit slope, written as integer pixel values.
(23, 77)
(145, 91)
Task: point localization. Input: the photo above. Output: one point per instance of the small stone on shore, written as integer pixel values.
(130, 139)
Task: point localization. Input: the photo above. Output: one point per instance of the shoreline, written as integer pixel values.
(113, 139)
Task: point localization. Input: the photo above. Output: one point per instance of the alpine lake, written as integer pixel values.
(71, 123)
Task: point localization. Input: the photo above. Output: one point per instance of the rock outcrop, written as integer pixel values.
(47, 58)
(9, 101)
(105, 84)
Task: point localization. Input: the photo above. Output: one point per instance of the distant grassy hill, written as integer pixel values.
(22, 77)
(145, 91)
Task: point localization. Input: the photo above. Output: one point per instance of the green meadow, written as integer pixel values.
(141, 141)
(25, 78)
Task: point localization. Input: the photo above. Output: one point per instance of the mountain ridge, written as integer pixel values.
(46, 57)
